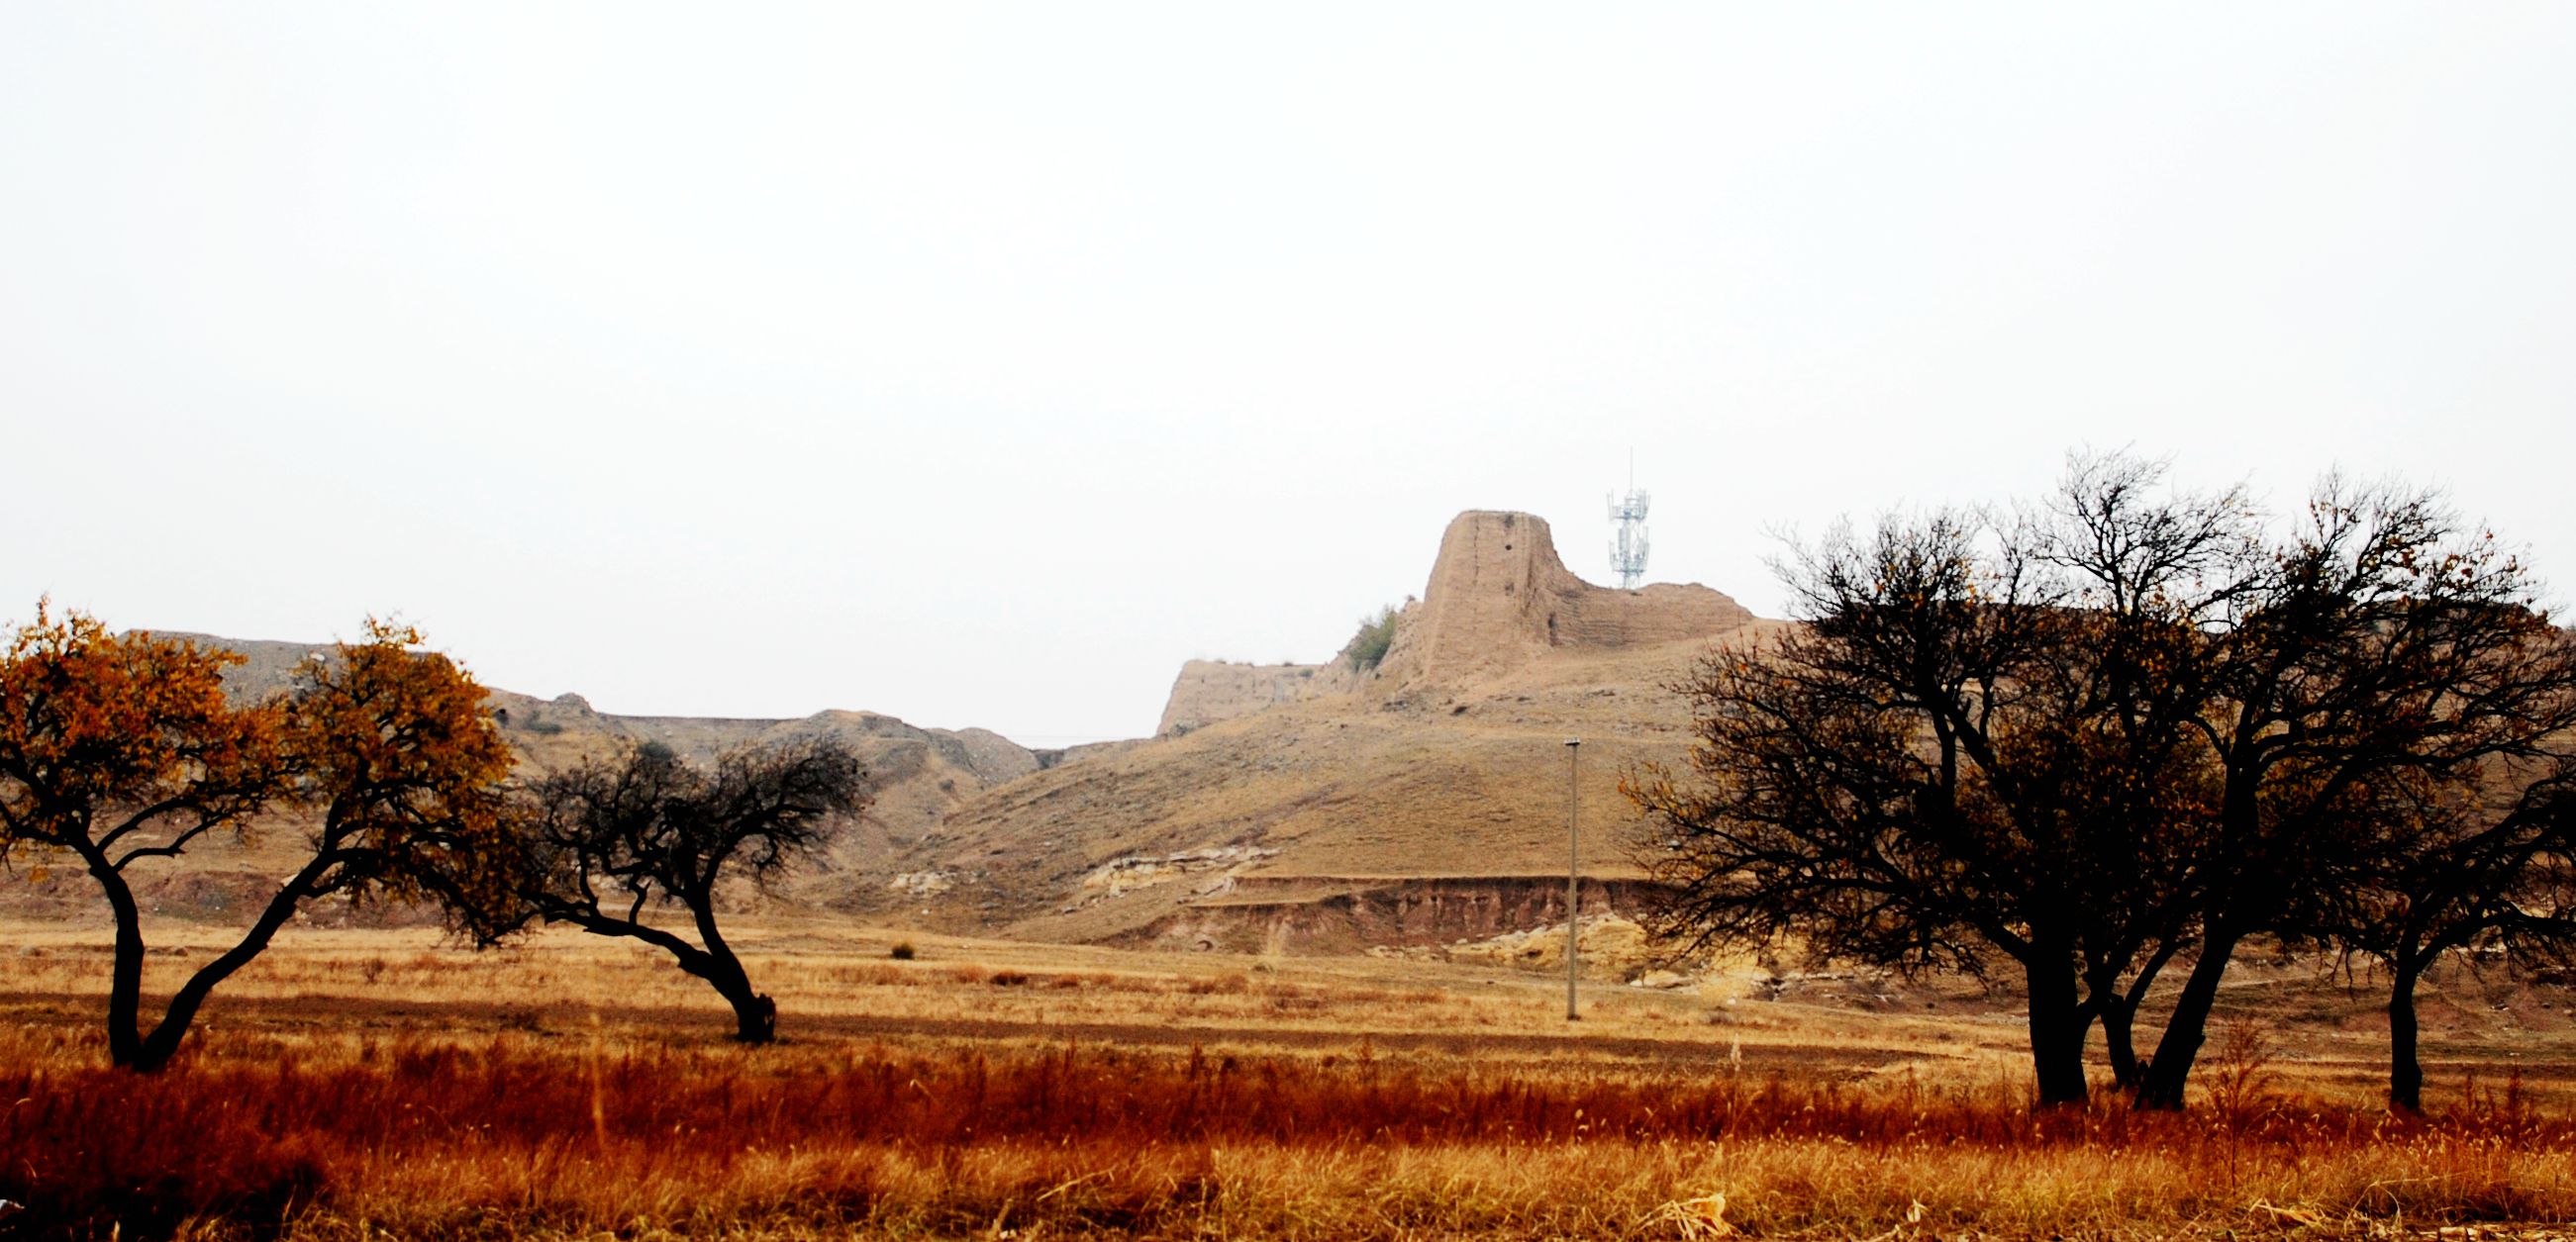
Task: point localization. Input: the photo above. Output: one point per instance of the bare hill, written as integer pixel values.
(1422, 800)
(1314, 805)
(921, 775)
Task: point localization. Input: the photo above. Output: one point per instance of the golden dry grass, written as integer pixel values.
(370, 1084)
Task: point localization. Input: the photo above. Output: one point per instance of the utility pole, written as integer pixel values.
(1573, 869)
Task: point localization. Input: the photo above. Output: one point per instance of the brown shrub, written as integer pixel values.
(559, 1137)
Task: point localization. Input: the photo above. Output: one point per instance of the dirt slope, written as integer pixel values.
(922, 776)
(1426, 797)
(1447, 763)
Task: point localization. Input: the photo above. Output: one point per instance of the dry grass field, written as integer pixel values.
(360, 1084)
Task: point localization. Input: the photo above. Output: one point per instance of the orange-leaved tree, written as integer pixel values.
(118, 749)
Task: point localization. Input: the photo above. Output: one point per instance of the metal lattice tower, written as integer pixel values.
(1628, 549)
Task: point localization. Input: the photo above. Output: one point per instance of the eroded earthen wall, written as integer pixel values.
(1500, 595)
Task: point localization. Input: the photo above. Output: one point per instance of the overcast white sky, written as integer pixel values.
(979, 364)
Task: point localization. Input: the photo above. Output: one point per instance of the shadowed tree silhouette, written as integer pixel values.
(1979, 747)
(2449, 868)
(611, 843)
(2387, 657)
(1887, 786)
(2123, 731)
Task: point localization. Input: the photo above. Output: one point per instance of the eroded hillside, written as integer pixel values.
(1423, 800)
(921, 777)
(1280, 805)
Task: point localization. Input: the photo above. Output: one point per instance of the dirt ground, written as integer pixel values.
(2318, 1030)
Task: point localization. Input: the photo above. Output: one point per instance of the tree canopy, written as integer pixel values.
(117, 749)
(2118, 728)
(612, 843)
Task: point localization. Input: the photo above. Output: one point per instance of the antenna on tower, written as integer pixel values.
(1628, 549)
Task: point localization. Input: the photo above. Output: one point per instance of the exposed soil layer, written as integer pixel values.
(1809, 1062)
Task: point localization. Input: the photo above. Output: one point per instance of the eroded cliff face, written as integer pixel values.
(1499, 596)
(1208, 691)
(1323, 915)
(919, 775)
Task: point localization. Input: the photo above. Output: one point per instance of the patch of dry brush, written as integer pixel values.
(516, 1137)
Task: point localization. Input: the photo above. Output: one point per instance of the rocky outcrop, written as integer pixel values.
(918, 775)
(1208, 691)
(268, 668)
(1499, 596)
(265, 668)
(1315, 914)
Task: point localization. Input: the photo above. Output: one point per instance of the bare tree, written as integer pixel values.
(2385, 649)
(612, 843)
(2449, 868)
(1943, 767)
(2144, 575)
(2124, 732)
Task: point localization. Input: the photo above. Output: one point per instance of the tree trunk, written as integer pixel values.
(2119, 1014)
(2161, 1086)
(2405, 1072)
(2057, 1027)
(155, 1050)
(125, 969)
(755, 1016)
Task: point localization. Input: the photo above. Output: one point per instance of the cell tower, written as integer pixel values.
(1628, 549)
